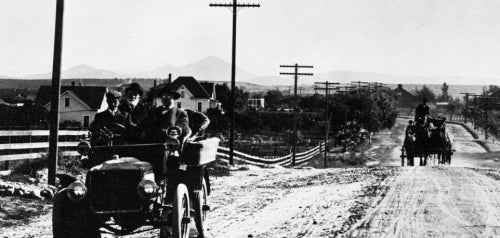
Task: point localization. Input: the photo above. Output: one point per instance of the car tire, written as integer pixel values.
(181, 212)
(200, 201)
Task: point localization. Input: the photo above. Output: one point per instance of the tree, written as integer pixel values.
(425, 92)
(273, 99)
(224, 96)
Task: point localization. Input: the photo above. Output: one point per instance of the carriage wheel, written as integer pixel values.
(200, 204)
(181, 216)
(410, 160)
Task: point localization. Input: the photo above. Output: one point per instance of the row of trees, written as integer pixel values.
(369, 109)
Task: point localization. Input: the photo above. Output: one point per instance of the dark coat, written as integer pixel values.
(106, 117)
(134, 123)
(421, 111)
(161, 118)
(198, 122)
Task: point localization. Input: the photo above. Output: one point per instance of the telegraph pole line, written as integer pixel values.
(56, 90)
(474, 121)
(327, 88)
(235, 5)
(466, 104)
(486, 99)
(296, 75)
(359, 83)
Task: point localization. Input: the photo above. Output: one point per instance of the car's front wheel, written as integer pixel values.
(72, 218)
(181, 212)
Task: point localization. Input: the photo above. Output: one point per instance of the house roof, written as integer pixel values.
(192, 85)
(405, 97)
(90, 95)
(209, 87)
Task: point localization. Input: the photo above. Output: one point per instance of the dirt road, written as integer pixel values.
(435, 202)
(383, 201)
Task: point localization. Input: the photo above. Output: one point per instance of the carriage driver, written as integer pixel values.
(422, 111)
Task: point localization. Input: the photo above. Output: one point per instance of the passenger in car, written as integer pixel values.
(198, 122)
(166, 116)
(137, 113)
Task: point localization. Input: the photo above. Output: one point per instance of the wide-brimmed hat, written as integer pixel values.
(134, 87)
(167, 90)
(113, 95)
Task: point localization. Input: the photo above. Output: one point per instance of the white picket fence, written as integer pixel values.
(9, 134)
(68, 148)
(300, 158)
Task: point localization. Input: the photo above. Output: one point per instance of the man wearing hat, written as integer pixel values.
(137, 113)
(422, 111)
(110, 115)
(168, 115)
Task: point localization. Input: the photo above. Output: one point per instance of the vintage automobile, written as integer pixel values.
(136, 188)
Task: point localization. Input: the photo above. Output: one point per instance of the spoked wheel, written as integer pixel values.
(181, 213)
(201, 207)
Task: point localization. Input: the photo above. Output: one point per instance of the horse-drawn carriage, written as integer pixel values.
(426, 139)
(129, 186)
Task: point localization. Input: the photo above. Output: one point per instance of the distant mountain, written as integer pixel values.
(208, 69)
(81, 71)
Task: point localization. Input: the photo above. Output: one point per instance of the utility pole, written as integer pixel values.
(296, 75)
(235, 5)
(377, 86)
(474, 121)
(359, 83)
(327, 88)
(56, 91)
(466, 105)
(486, 108)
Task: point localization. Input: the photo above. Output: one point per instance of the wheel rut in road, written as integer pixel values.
(435, 202)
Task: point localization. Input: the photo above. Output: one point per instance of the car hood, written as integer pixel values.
(125, 163)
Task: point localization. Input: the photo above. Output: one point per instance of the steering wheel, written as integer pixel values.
(108, 133)
(114, 128)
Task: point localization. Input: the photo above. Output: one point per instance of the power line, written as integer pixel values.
(296, 75)
(486, 109)
(327, 88)
(466, 104)
(235, 5)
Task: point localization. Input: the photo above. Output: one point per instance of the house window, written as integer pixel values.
(66, 102)
(182, 94)
(86, 121)
(179, 104)
(200, 104)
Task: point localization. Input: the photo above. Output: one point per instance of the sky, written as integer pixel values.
(411, 37)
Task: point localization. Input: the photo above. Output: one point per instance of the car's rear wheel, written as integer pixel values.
(72, 218)
(181, 212)
(200, 204)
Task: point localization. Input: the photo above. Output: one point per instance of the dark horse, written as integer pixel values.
(421, 148)
(439, 143)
